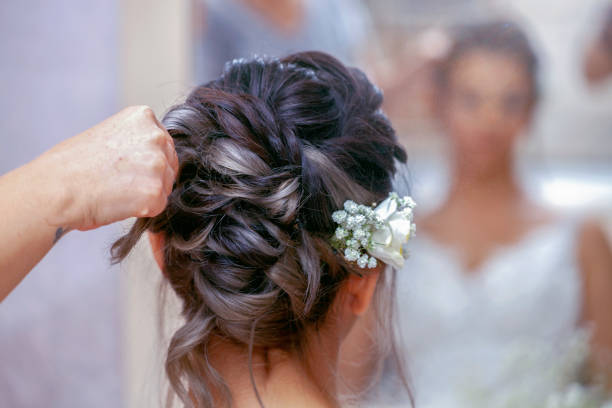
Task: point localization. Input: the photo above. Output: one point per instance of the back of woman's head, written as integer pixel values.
(266, 153)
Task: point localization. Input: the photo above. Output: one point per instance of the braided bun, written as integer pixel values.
(266, 152)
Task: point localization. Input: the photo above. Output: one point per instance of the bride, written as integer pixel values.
(502, 302)
(252, 238)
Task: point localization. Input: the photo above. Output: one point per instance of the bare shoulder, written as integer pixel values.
(594, 244)
(595, 261)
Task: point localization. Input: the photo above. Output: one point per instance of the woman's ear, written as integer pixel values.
(157, 246)
(360, 289)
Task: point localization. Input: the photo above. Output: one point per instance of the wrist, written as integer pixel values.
(52, 192)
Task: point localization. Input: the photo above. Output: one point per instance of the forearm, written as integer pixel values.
(123, 167)
(29, 205)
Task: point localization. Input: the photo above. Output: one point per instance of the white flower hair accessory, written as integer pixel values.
(367, 234)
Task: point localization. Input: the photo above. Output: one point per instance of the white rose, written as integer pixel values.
(388, 241)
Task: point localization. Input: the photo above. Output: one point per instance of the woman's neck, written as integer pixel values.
(493, 187)
(282, 378)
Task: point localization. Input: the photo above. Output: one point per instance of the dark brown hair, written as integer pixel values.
(266, 153)
(504, 37)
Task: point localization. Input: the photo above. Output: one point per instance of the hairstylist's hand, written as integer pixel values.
(123, 167)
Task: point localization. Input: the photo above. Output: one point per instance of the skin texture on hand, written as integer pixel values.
(123, 167)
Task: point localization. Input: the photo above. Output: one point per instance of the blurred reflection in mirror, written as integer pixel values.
(598, 58)
(504, 301)
(230, 29)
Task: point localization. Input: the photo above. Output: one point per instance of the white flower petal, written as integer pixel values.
(400, 229)
(385, 209)
(382, 236)
(388, 256)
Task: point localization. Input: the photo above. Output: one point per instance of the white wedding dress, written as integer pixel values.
(504, 335)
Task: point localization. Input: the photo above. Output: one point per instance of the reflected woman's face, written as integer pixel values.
(487, 105)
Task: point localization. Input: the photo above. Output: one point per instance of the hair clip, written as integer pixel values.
(367, 234)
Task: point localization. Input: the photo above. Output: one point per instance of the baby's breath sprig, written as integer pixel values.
(353, 234)
(358, 224)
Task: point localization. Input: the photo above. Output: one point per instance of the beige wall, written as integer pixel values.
(155, 70)
(155, 52)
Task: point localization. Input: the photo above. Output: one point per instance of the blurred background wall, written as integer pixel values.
(58, 330)
(156, 69)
